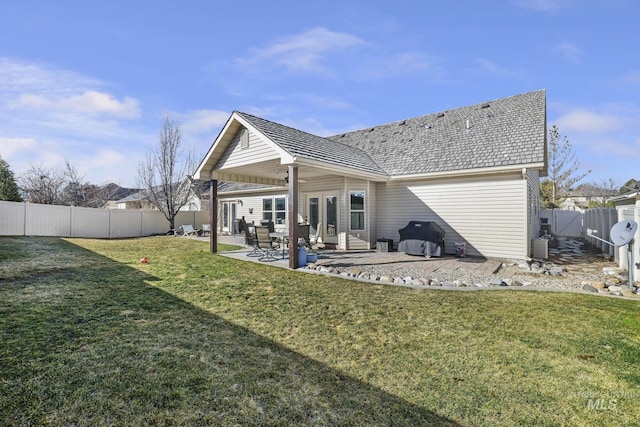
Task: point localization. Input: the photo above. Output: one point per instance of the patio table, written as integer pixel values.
(283, 239)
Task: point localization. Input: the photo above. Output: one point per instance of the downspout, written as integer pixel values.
(528, 216)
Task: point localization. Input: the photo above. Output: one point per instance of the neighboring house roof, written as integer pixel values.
(113, 191)
(625, 197)
(135, 197)
(504, 132)
(201, 189)
(305, 145)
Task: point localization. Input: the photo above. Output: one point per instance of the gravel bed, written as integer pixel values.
(583, 272)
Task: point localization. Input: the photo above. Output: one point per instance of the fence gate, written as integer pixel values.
(564, 222)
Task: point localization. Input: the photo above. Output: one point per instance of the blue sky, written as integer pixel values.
(91, 81)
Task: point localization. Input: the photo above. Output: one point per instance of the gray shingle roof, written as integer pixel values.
(504, 132)
(305, 145)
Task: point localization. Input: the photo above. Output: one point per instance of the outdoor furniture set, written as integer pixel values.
(271, 245)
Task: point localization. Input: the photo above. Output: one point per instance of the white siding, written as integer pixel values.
(258, 151)
(488, 213)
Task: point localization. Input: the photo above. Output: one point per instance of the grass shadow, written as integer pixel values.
(90, 342)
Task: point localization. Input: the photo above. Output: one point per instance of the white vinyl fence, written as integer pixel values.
(30, 219)
(600, 220)
(563, 222)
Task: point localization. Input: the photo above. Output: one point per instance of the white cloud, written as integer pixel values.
(541, 5)
(113, 166)
(304, 52)
(17, 77)
(90, 102)
(581, 120)
(495, 69)
(48, 115)
(604, 137)
(569, 51)
(202, 121)
(12, 146)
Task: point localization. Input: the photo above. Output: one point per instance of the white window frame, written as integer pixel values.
(273, 212)
(363, 211)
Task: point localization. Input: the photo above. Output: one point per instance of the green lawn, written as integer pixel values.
(91, 336)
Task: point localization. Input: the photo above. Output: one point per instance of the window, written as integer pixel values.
(356, 209)
(281, 210)
(267, 209)
(275, 209)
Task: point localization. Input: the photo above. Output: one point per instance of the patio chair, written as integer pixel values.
(266, 244)
(252, 240)
(188, 231)
(206, 229)
(315, 238)
(303, 233)
(268, 223)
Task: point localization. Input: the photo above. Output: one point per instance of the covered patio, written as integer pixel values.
(252, 150)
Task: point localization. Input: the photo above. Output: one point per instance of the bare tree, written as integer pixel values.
(564, 170)
(74, 192)
(162, 175)
(42, 185)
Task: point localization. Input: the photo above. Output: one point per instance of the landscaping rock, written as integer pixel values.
(354, 272)
(589, 274)
(556, 271)
(598, 284)
(628, 292)
(425, 281)
(615, 290)
(612, 271)
(609, 283)
(496, 281)
(524, 266)
(590, 288)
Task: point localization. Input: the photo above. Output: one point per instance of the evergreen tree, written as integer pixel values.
(8, 187)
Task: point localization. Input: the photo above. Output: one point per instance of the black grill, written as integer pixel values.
(424, 238)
